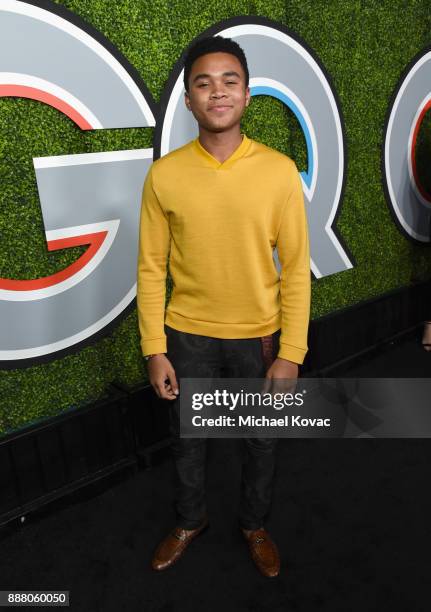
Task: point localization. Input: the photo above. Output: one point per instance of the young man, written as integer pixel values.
(217, 207)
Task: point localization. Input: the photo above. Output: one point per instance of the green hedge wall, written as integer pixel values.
(364, 45)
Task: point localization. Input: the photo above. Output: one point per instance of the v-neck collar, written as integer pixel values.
(215, 163)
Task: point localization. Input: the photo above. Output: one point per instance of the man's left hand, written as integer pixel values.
(281, 377)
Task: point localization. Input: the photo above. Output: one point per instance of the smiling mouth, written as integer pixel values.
(219, 109)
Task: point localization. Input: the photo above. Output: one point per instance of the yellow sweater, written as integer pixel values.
(217, 224)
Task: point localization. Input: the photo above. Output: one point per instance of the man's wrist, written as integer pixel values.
(288, 360)
(148, 357)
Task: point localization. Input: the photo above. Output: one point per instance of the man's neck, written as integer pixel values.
(220, 145)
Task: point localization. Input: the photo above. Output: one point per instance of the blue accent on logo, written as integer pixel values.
(275, 93)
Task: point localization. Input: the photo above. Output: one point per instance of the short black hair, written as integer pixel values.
(213, 44)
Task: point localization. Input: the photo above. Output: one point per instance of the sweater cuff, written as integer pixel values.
(292, 353)
(154, 346)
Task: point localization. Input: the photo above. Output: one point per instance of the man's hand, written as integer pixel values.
(162, 377)
(281, 377)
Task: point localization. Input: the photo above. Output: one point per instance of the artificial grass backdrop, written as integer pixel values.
(364, 47)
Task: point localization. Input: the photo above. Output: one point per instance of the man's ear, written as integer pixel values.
(187, 100)
(247, 95)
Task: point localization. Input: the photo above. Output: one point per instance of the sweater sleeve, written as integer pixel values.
(295, 281)
(154, 243)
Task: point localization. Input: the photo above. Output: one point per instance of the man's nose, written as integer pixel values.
(218, 91)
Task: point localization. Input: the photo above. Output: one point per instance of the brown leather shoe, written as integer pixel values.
(263, 551)
(173, 546)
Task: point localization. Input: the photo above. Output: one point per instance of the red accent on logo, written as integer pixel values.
(420, 187)
(94, 240)
(23, 91)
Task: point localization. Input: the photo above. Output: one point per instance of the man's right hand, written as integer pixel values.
(162, 377)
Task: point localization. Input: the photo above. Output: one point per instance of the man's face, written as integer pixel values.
(217, 93)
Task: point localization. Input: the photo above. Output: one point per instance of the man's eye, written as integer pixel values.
(231, 82)
(202, 84)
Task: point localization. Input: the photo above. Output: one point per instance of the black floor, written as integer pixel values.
(351, 519)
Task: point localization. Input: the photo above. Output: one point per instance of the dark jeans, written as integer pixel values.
(194, 356)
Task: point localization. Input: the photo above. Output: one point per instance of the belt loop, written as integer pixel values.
(267, 351)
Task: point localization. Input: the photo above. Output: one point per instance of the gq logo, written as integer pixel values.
(94, 199)
(409, 202)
